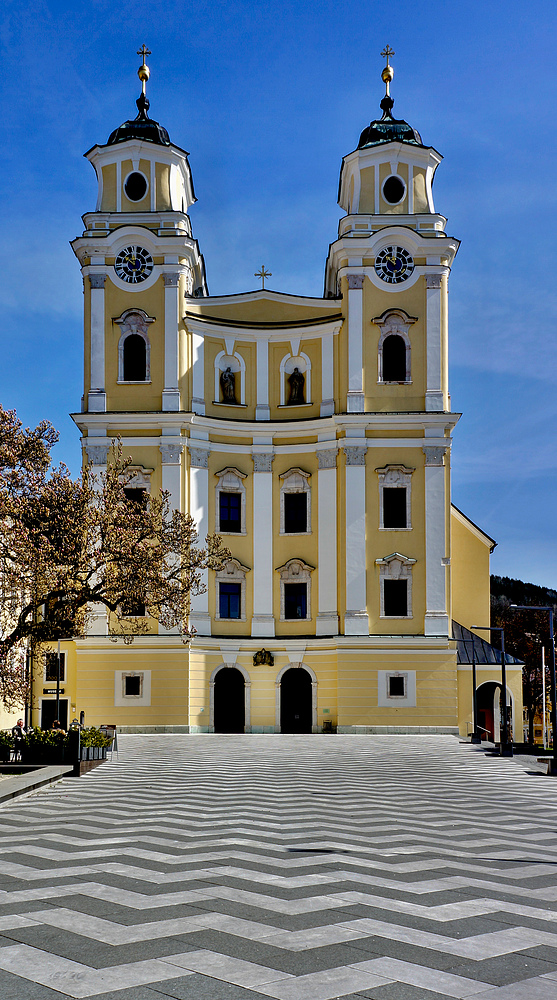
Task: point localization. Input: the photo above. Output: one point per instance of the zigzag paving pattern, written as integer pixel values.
(293, 867)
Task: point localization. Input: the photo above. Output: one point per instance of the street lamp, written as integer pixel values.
(552, 769)
(506, 745)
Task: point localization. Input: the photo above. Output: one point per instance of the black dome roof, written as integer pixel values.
(389, 129)
(142, 127)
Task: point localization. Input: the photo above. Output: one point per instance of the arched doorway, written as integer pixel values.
(490, 710)
(295, 701)
(229, 701)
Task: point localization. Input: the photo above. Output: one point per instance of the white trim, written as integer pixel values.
(136, 201)
(232, 572)
(436, 617)
(278, 679)
(395, 476)
(263, 622)
(198, 374)
(404, 186)
(295, 481)
(199, 510)
(247, 694)
(289, 362)
(262, 409)
(395, 567)
(356, 619)
(131, 700)
(134, 322)
(386, 700)
(434, 334)
(397, 323)
(230, 480)
(295, 571)
(235, 361)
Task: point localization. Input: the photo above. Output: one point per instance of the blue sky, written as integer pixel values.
(267, 98)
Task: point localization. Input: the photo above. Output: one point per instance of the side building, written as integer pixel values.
(313, 433)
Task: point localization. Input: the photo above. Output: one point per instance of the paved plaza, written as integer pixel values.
(290, 867)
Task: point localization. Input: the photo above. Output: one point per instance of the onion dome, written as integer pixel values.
(387, 128)
(142, 127)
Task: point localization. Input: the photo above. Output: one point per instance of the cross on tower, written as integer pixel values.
(387, 51)
(263, 274)
(144, 51)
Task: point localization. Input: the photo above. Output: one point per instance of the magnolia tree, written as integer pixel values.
(70, 548)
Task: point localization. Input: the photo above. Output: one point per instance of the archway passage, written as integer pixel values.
(230, 710)
(488, 698)
(295, 701)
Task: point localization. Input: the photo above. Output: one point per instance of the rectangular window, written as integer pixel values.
(133, 609)
(133, 494)
(229, 600)
(397, 687)
(51, 667)
(394, 507)
(230, 505)
(132, 686)
(395, 598)
(295, 600)
(295, 512)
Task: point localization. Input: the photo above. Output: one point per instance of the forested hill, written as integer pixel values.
(518, 592)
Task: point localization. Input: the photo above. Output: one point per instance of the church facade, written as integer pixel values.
(313, 434)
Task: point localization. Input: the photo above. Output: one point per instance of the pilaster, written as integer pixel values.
(327, 615)
(171, 392)
(198, 373)
(263, 622)
(355, 400)
(327, 376)
(96, 401)
(97, 458)
(436, 618)
(434, 385)
(356, 619)
(199, 509)
(262, 408)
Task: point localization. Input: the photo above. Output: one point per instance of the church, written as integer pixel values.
(313, 433)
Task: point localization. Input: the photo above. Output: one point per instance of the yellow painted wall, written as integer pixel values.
(469, 573)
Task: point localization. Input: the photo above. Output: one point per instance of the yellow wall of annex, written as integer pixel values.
(470, 586)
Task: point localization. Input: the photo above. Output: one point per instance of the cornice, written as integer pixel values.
(264, 331)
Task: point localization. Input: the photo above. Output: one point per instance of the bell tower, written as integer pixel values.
(138, 259)
(392, 261)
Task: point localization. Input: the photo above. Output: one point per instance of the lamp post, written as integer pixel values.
(475, 737)
(552, 769)
(506, 745)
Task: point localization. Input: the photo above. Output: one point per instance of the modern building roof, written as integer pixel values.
(471, 646)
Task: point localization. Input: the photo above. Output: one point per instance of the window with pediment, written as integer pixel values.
(395, 581)
(295, 590)
(231, 591)
(295, 502)
(395, 498)
(134, 346)
(230, 502)
(394, 360)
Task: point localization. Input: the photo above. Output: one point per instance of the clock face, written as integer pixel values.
(393, 264)
(133, 264)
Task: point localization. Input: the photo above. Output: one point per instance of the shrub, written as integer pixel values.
(93, 737)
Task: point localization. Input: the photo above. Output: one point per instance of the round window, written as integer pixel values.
(394, 190)
(135, 186)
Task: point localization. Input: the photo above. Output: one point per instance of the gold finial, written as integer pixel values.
(143, 72)
(263, 274)
(388, 72)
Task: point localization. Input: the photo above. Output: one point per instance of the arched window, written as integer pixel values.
(394, 359)
(134, 348)
(135, 358)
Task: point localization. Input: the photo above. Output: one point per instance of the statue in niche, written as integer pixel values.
(296, 381)
(228, 386)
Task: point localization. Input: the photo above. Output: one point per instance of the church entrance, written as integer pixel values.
(295, 701)
(230, 710)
